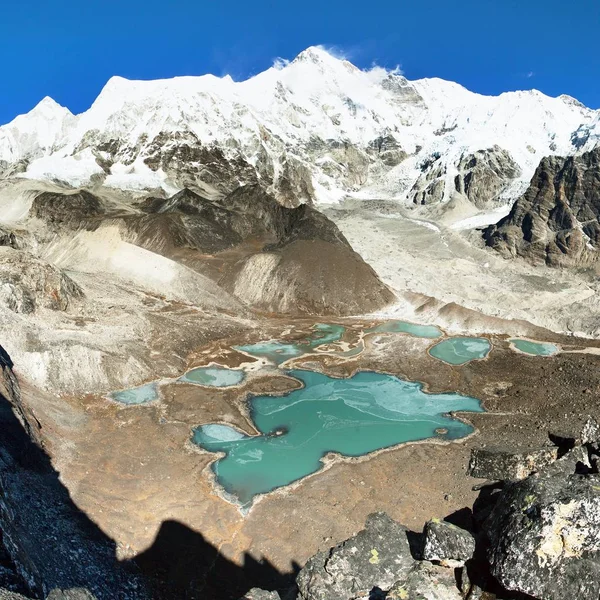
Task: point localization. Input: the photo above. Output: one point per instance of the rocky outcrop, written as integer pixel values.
(70, 210)
(485, 174)
(557, 220)
(447, 543)
(28, 283)
(506, 464)
(481, 177)
(376, 557)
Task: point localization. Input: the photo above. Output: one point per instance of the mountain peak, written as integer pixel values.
(49, 108)
(314, 54)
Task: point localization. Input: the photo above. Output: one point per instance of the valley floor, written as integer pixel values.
(154, 476)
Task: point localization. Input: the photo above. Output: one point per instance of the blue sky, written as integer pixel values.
(68, 49)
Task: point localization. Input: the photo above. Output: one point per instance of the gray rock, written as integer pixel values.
(376, 557)
(71, 594)
(590, 433)
(8, 595)
(544, 537)
(258, 594)
(503, 464)
(426, 582)
(446, 542)
(485, 174)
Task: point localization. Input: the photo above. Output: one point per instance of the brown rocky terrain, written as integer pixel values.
(557, 220)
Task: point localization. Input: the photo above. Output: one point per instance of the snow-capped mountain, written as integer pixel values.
(313, 129)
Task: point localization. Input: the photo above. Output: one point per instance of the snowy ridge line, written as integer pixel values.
(318, 126)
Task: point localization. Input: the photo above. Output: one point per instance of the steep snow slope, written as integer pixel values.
(316, 128)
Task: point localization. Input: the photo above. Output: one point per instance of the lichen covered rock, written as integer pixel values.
(504, 464)
(544, 537)
(446, 542)
(377, 557)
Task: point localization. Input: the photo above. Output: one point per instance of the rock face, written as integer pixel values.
(57, 551)
(506, 464)
(557, 220)
(446, 542)
(375, 558)
(545, 537)
(480, 176)
(27, 283)
(485, 174)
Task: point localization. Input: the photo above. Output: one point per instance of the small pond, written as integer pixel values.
(137, 395)
(535, 348)
(214, 376)
(461, 350)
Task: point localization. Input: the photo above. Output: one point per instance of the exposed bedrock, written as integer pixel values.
(481, 177)
(557, 220)
(28, 283)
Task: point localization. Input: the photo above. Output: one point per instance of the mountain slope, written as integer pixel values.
(558, 219)
(313, 129)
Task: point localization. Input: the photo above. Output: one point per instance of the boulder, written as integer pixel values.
(503, 464)
(258, 594)
(71, 594)
(377, 557)
(426, 582)
(544, 536)
(447, 543)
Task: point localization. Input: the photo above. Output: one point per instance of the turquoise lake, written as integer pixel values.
(461, 350)
(352, 417)
(279, 352)
(422, 331)
(535, 348)
(138, 395)
(214, 376)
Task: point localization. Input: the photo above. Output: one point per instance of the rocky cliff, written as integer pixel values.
(557, 220)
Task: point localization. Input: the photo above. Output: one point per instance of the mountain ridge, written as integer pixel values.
(314, 129)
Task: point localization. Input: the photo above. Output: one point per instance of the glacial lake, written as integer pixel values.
(535, 348)
(323, 333)
(461, 350)
(353, 417)
(137, 395)
(214, 376)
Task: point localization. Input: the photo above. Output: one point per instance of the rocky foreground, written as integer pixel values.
(533, 532)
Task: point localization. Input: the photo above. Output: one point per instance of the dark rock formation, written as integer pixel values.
(506, 464)
(544, 537)
(57, 551)
(70, 210)
(482, 177)
(376, 557)
(428, 582)
(557, 220)
(485, 174)
(447, 543)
